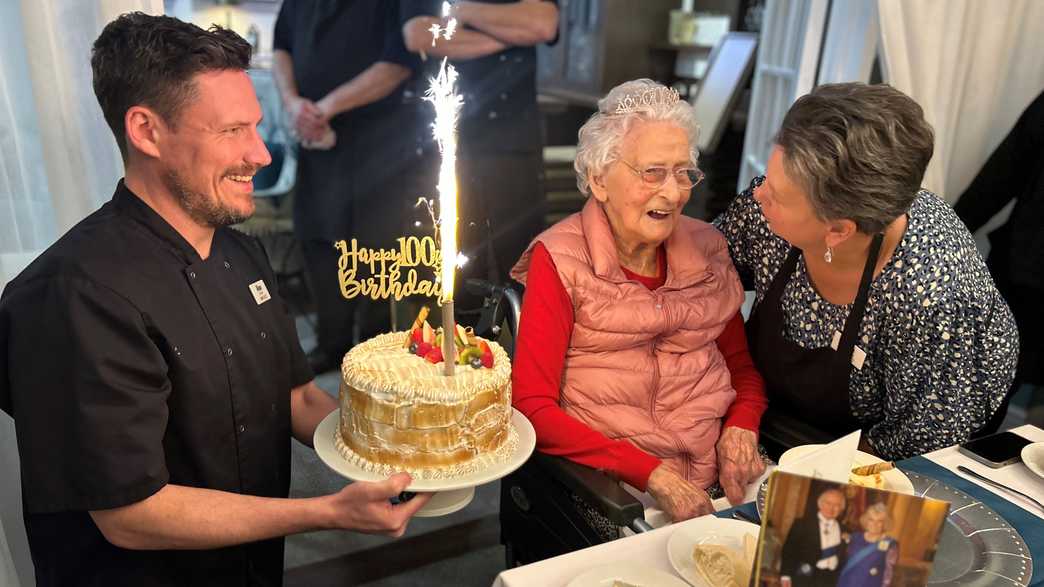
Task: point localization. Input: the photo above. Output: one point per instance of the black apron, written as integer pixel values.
(809, 384)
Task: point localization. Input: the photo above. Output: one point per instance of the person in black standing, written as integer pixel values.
(1015, 171)
(341, 65)
(500, 161)
(152, 371)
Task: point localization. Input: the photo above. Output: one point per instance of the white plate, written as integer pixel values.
(631, 572)
(704, 530)
(323, 440)
(894, 480)
(1033, 456)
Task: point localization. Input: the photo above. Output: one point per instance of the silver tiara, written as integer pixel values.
(658, 96)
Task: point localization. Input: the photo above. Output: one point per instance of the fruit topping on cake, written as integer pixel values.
(426, 342)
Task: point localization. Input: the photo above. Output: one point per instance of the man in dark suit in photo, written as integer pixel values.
(813, 552)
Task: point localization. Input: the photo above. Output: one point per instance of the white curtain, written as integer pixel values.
(58, 163)
(973, 66)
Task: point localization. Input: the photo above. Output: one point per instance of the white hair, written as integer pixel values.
(600, 137)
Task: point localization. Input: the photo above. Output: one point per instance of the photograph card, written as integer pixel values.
(823, 534)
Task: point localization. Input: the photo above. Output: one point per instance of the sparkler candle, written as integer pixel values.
(442, 93)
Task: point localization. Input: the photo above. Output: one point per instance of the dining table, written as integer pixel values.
(650, 549)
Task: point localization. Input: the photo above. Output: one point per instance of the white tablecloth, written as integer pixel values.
(650, 549)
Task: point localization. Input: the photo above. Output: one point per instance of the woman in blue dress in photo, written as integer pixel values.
(872, 553)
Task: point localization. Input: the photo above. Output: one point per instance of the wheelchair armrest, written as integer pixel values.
(594, 487)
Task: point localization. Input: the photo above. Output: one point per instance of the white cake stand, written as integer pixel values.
(450, 494)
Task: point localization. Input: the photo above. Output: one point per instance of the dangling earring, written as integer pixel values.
(828, 256)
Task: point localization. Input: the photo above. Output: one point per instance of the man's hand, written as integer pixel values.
(307, 118)
(365, 507)
(465, 43)
(680, 499)
(738, 462)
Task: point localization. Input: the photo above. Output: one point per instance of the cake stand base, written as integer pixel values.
(447, 502)
(452, 494)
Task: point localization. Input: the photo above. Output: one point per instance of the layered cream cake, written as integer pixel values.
(399, 412)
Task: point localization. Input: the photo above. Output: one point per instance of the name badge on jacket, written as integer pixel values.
(260, 292)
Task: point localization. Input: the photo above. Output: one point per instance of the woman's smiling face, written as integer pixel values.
(786, 207)
(640, 214)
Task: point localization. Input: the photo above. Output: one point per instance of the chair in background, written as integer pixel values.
(272, 223)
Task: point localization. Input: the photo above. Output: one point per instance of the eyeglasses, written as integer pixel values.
(654, 177)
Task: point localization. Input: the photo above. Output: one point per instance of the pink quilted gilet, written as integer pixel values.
(643, 365)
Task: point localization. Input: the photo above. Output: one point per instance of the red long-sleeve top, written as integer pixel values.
(536, 379)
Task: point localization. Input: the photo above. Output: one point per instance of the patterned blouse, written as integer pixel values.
(940, 342)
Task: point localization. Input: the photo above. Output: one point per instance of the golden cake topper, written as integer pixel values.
(382, 274)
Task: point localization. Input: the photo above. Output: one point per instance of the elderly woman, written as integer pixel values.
(873, 309)
(871, 555)
(631, 355)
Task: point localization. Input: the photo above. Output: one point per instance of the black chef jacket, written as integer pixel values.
(332, 41)
(366, 185)
(128, 362)
(500, 111)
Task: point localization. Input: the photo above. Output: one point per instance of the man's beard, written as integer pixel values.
(199, 207)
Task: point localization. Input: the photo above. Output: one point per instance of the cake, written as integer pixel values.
(719, 565)
(400, 412)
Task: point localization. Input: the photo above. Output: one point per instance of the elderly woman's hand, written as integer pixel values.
(677, 497)
(738, 461)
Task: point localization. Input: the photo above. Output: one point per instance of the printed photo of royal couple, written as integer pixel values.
(825, 534)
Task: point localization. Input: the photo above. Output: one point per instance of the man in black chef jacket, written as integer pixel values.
(342, 66)
(501, 146)
(153, 373)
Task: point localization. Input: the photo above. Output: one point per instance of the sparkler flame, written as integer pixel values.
(442, 93)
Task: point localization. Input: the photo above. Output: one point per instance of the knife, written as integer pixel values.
(968, 471)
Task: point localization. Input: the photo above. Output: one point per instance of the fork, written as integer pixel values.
(985, 479)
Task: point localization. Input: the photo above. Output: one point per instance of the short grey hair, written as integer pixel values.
(859, 151)
(600, 137)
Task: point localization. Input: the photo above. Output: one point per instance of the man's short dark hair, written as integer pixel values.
(139, 59)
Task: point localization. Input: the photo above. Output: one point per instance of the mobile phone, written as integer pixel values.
(995, 450)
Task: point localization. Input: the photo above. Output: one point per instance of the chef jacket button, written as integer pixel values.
(228, 265)
(264, 334)
(228, 351)
(242, 428)
(192, 274)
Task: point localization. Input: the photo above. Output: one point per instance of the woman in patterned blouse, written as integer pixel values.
(873, 309)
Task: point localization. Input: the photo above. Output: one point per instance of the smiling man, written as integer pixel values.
(153, 373)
